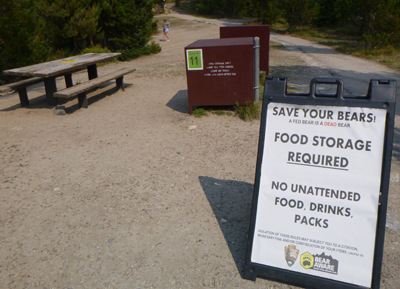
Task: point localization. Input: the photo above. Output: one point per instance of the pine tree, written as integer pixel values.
(127, 24)
(71, 24)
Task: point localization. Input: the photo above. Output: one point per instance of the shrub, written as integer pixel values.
(249, 111)
(95, 49)
(129, 54)
(262, 78)
(98, 49)
(199, 112)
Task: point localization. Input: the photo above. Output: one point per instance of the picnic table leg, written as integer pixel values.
(92, 71)
(120, 83)
(82, 99)
(23, 97)
(50, 87)
(68, 80)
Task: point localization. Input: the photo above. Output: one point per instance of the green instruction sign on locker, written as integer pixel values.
(195, 59)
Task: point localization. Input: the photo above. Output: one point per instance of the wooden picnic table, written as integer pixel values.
(62, 67)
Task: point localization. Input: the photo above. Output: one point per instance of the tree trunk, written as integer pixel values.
(291, 19)
(76, 44)
(369, 29)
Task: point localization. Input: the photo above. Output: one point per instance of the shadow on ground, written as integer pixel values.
(309, 49)
(179, 101)
(34, 103)
(40, 101)
(96, 96)
(231, 204)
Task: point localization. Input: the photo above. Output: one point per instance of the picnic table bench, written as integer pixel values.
(81, 89)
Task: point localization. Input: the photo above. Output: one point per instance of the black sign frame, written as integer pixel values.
(381, 94)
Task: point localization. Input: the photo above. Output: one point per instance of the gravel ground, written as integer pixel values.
(133, 192)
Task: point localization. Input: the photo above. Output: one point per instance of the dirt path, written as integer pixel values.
(133, 192)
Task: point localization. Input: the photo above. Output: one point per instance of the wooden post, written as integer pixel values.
(120, 83)
(50, 87)
(23, 97)
(68, 80)
(82, 98)
(92, 71)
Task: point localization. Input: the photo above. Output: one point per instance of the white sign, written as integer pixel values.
(319, 191)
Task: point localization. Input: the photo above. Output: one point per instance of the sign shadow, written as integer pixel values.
(231, 203)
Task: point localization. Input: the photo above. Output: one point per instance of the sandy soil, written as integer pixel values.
(133, 192)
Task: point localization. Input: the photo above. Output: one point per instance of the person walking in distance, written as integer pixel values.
(165, 30)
